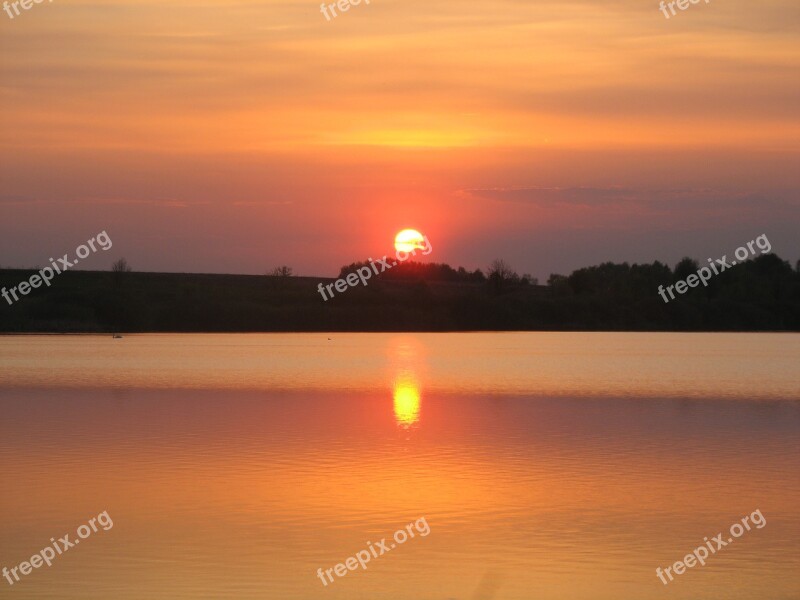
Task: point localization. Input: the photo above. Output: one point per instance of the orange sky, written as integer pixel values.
(232, 137)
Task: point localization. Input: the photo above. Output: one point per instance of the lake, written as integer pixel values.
(542, 465)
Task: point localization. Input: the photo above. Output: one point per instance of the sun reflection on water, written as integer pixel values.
(406, 402)
(406, 363)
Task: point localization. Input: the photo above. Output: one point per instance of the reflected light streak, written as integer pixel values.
(406, 401)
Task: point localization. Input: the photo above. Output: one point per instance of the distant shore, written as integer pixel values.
(757, 297)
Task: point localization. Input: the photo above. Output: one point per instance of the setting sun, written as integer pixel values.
(409, 240)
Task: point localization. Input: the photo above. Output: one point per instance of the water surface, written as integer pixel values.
(548, 465)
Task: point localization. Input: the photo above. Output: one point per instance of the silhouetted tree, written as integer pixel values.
(477, 275)
(685, 267)
(416, 271)
(559, 285)
(282, 271)
(121, 266)
(500, 274)
(500, 268)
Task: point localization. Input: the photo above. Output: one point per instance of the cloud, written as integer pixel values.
(627, 207)
(15, 199)
(603, 196)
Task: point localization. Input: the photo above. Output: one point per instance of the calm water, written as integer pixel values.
(547, 465)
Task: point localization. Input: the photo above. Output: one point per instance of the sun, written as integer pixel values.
(409, 240)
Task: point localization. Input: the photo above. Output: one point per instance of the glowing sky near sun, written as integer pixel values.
(233, 137)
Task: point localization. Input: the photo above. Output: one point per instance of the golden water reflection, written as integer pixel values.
(406, 401)
(406, 357)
